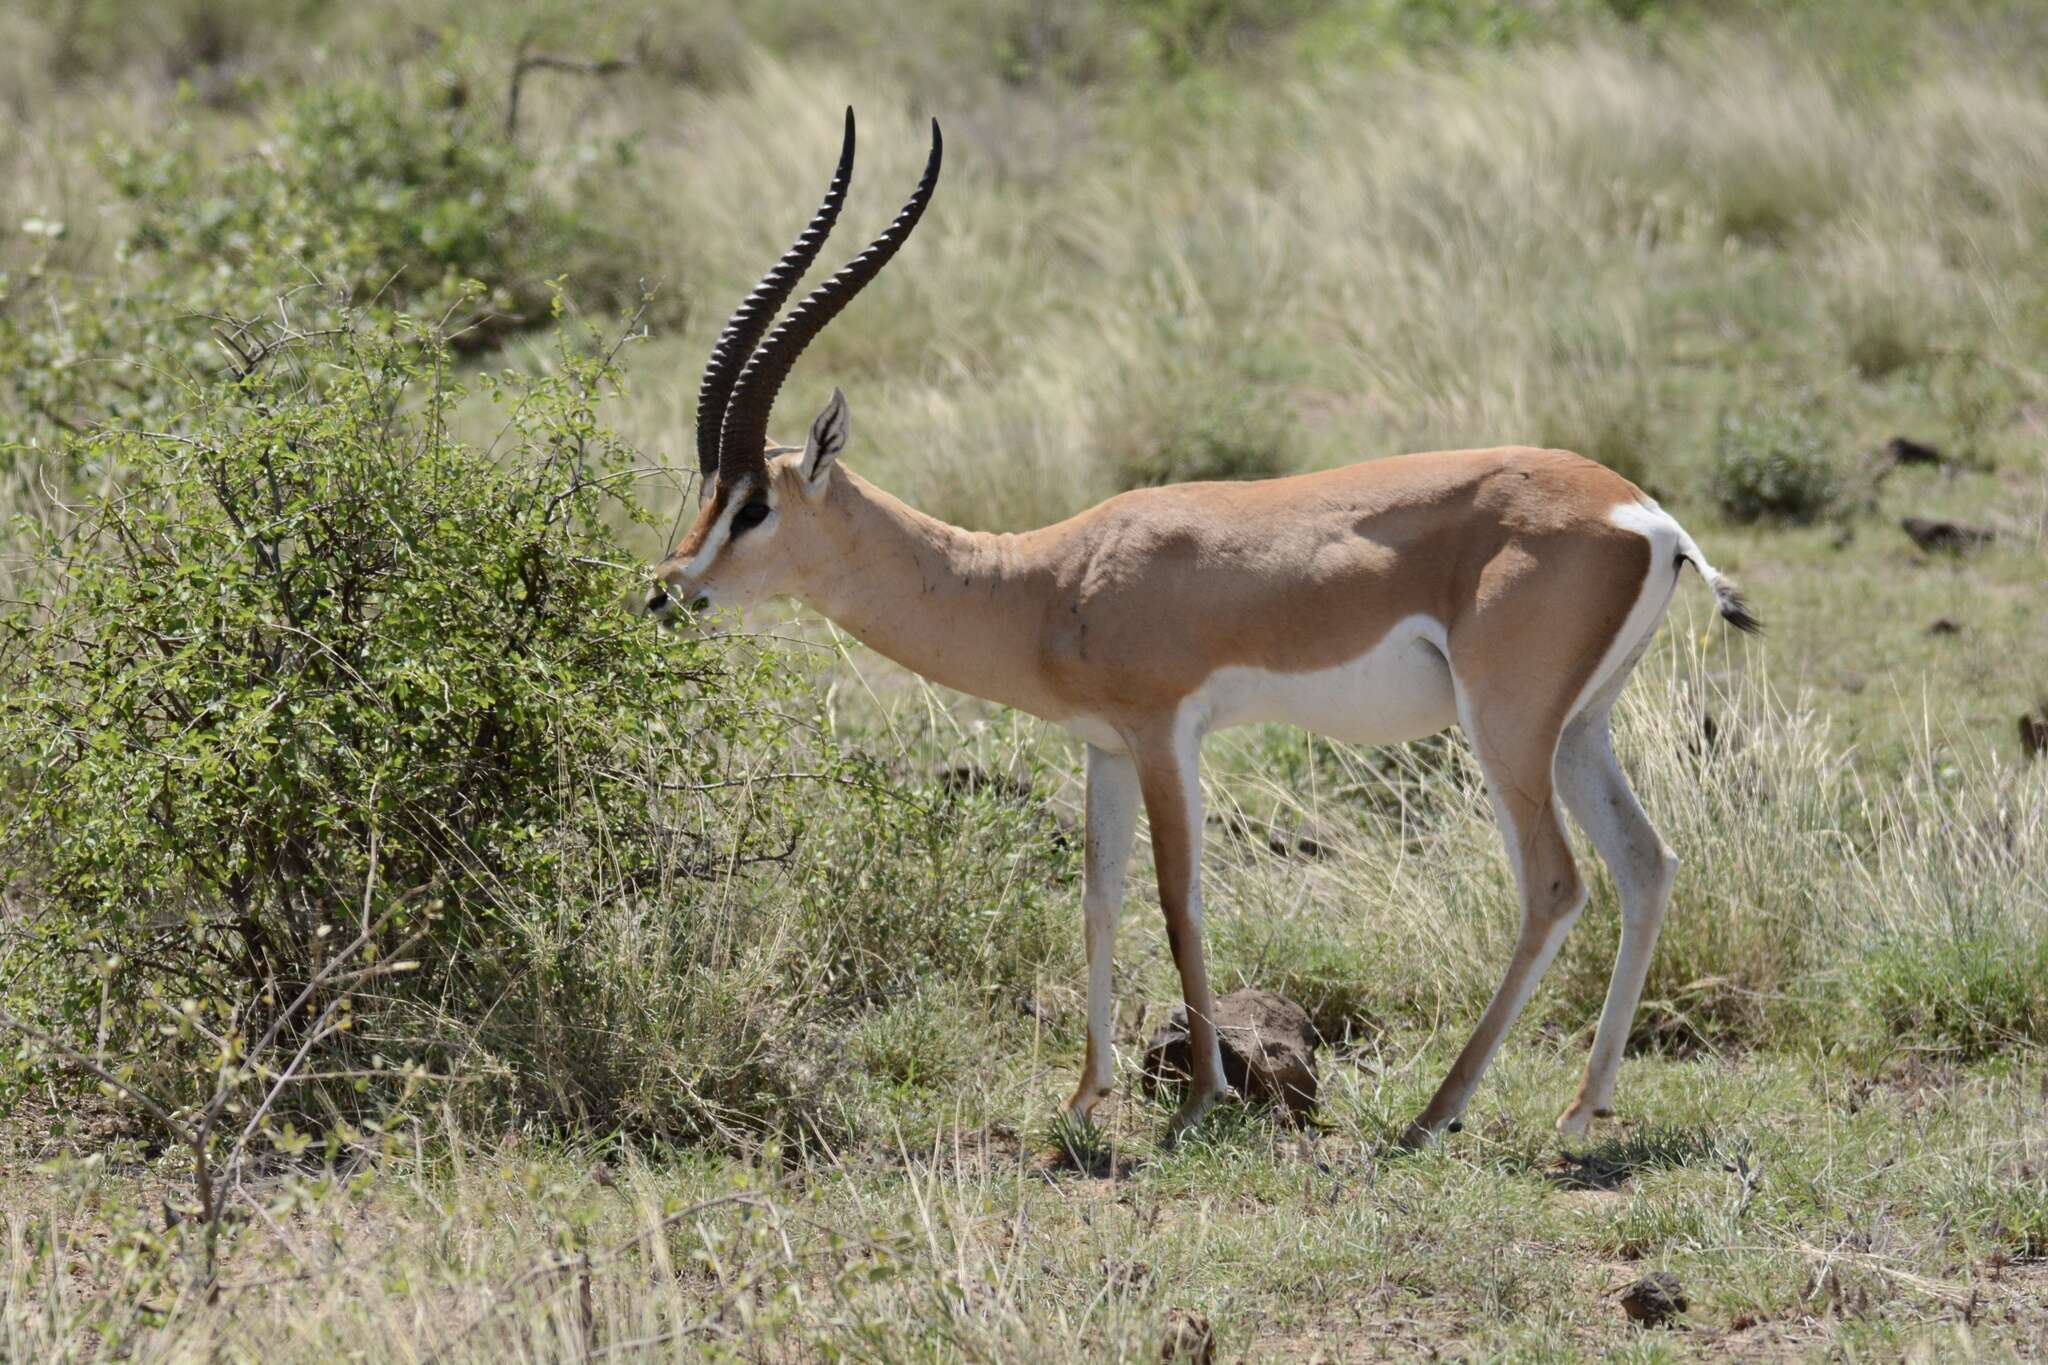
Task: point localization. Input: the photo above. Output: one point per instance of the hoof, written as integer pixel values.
(1082, 1106)
(1420, 1134)
(1192, 1111)
(1574, 1121)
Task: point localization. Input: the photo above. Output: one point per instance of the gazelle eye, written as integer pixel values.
(750, 515)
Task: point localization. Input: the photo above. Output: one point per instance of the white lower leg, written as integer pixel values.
(1624, 991)
(1112, 826)
(1599, 798)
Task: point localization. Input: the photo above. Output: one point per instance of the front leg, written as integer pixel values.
(1170, 776)
(1112, 826)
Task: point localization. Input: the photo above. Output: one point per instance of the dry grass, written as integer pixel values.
(1903, 1232)
(1584, 244)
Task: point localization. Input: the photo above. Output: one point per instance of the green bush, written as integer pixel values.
(312, 665)
(1770, 467)
(399, 197)
(382, 200)
(319, 666)
(1232, 422)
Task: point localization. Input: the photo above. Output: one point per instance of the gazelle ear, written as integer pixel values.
(828, 438)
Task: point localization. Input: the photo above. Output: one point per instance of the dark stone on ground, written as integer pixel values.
(1654, 1300)
(1188, 1338)
(1946, 536)
(1126, 1277)
(967, 778)
(2034, 732)
(1906, 450)
(1945, 625)
(1269, 1050)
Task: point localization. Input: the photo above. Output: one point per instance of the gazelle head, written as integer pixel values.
(757, 500)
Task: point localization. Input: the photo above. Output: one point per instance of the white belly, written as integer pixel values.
(1399, 689)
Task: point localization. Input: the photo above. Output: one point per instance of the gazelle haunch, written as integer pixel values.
(1507, 591)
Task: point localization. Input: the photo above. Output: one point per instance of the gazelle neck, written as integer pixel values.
(959, 607)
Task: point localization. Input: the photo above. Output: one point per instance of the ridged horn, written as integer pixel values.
(746, 416)
(743, 330)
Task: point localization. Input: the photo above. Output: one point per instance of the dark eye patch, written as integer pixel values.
(750, 515)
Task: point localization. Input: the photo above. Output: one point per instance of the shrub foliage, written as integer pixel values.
(1771, 467)
(319, 666)
(408, 197)
(381, 200)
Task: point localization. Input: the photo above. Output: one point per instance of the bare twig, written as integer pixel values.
(195, 1130)
(529, 61)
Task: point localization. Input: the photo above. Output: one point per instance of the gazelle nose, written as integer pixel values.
(659, 603)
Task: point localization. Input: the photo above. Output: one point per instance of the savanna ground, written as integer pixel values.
(782, 1088)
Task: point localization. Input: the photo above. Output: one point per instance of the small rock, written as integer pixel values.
(1188, 1337)
(1906, 450)
(1269, 1050)
(1654, 1300)
(1946, 536)
(965, 779)
(2034, 732)
(1126, 1277)
(1304, 845)
(1945, 625)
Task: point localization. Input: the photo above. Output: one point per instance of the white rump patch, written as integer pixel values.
(1646, 518)
(1653, 595)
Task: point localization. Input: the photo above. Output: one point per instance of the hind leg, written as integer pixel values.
(1515, 756)
(1597, 793)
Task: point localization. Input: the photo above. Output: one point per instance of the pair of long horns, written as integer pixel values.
(740, 380)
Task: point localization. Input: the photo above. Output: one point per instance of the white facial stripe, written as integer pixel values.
(721, 532)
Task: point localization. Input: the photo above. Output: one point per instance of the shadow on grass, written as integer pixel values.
(1067, 1146)
(1610, 1164)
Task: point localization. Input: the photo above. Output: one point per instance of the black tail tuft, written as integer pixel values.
(1735, 611)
